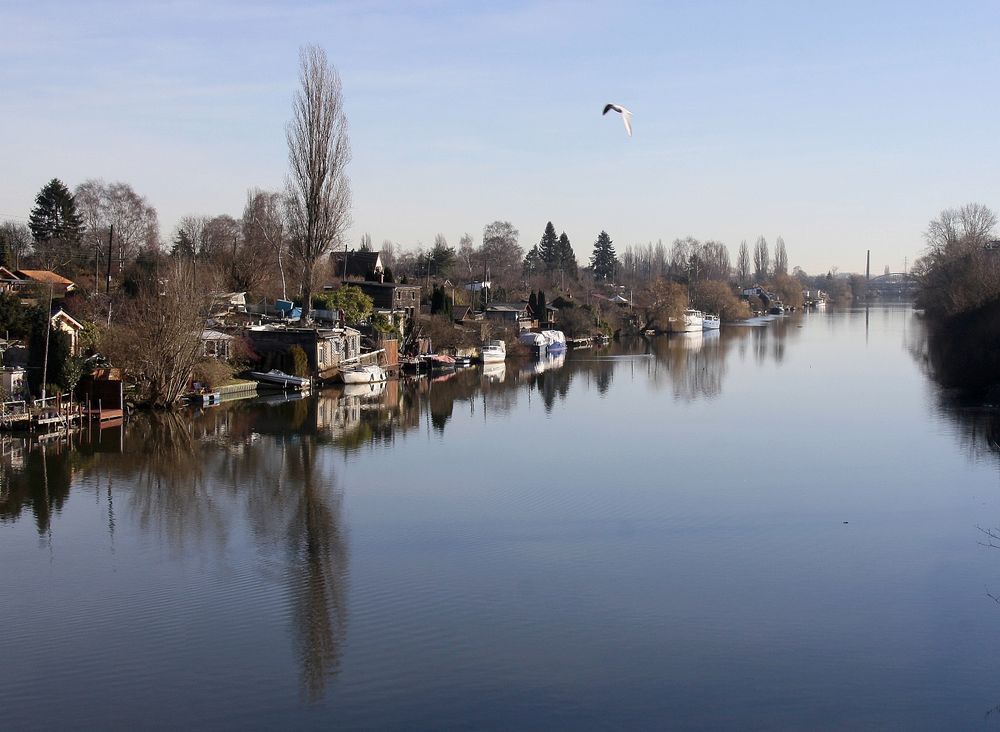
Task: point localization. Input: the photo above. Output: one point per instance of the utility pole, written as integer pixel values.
(45, 359)
(107, 282)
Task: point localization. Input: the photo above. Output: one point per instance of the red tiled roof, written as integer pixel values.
(43, 275)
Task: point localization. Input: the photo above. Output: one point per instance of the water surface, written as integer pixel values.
(771, 527)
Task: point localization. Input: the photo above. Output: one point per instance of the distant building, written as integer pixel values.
(29, 283)
(360, 265)
(513, 314)
(325, 348)
(392, 296)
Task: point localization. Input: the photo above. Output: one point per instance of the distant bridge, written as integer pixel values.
(896, 286)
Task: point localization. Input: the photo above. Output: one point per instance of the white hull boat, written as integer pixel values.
(280, 380)
(691, 322)
(548, 341)
(710, 322)
(363, 375)
(495, 352)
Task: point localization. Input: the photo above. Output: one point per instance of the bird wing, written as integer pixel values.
(608, 108)
(627, 119)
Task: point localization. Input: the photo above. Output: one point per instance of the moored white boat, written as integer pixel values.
(494, 352)
(555, 341)
(710, 322)
(691, 322)
(281, 380)
(363, 374)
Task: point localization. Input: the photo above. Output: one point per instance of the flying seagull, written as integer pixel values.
(626, 115)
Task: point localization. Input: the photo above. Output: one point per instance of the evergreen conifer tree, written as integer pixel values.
(533, 304)
(548, 247)
(543, 315)
(567, 257)
(532, 262)
(603, 260)
(55, 225)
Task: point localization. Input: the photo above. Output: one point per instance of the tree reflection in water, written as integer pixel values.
(183, 478)
(37, 479)
(976, 412)
(266, 469)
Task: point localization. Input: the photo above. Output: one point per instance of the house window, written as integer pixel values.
(322, 353)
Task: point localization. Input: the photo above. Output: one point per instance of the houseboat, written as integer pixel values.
(710, 322)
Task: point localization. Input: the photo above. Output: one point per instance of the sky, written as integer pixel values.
(841, 127)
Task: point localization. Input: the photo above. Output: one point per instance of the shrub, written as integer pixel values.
(717, 297)
(211, 372)
(300, 362)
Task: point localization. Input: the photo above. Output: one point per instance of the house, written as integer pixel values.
(359, 265)
(63, 321)
(392, 296)
(513, 314)
(325, 348)
(46, 279)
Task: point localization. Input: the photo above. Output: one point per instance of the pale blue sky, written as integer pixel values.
(841, 126)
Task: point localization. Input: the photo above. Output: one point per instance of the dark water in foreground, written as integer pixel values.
(771, 528)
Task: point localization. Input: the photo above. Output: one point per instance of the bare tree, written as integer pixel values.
(366, 243)
(388, 253)
(780, 257)
(467, 256)
(264, 224)
(15, 239)
(502, 252)
(319, 194)
(968, 227)
(106, 205)
(157, 337)
(715, 261)
(761, 259)
(743, 264)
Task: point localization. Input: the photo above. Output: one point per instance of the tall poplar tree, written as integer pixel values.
(319, 193)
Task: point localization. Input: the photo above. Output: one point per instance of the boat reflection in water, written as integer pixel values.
(255, 485)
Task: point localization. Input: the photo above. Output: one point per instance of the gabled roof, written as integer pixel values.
(359, 264)
(43, 275)
(6, 274)
(69, 319)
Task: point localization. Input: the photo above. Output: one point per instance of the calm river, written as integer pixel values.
(773, 527)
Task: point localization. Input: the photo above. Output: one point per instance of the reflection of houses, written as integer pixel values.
(325, 348)
(30, 282)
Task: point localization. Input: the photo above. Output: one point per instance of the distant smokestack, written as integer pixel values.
(868, 266)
